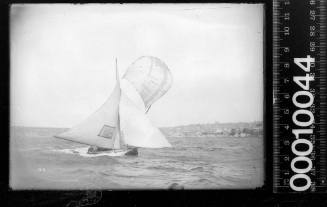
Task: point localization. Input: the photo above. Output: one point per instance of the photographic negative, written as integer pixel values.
(136, 96)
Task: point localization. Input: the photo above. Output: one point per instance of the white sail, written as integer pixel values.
(122, 119)
(137, 128)
(131, 92)
(99, 128)
(151, 78)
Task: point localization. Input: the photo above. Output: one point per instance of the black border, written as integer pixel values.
(258, 197)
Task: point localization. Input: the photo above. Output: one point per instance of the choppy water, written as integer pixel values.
(194, 163)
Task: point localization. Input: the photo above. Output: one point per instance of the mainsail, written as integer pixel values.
(122, 121)
(99, 128)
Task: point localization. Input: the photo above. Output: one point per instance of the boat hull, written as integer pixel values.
(110, 153)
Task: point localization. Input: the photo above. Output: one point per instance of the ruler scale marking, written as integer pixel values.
(299, 35)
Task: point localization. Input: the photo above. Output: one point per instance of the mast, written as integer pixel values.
(118, 136)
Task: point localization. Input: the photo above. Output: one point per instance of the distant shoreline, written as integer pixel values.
(164, 127)
(213, 130)
(218, 137)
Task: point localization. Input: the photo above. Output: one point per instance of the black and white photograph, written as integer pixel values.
(136, 96)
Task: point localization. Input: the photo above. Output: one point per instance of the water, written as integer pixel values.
(194, 163)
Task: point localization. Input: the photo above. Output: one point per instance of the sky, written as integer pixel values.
(62, 59)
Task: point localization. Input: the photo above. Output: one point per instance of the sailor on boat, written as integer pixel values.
(120, 126)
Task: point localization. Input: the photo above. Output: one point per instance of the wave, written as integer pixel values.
(203, 180)
(82, 171)
(166, 168)
(197, 169)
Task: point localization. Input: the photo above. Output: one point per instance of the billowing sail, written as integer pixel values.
(99, 129)
(151, 78)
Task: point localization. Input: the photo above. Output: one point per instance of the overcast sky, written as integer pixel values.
(62, 60)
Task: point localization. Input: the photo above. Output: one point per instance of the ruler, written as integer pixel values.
(299, 96)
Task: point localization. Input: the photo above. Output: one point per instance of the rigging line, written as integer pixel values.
(117, 74)
(148, 109)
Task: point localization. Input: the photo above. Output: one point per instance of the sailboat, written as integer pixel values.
(121, 125)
